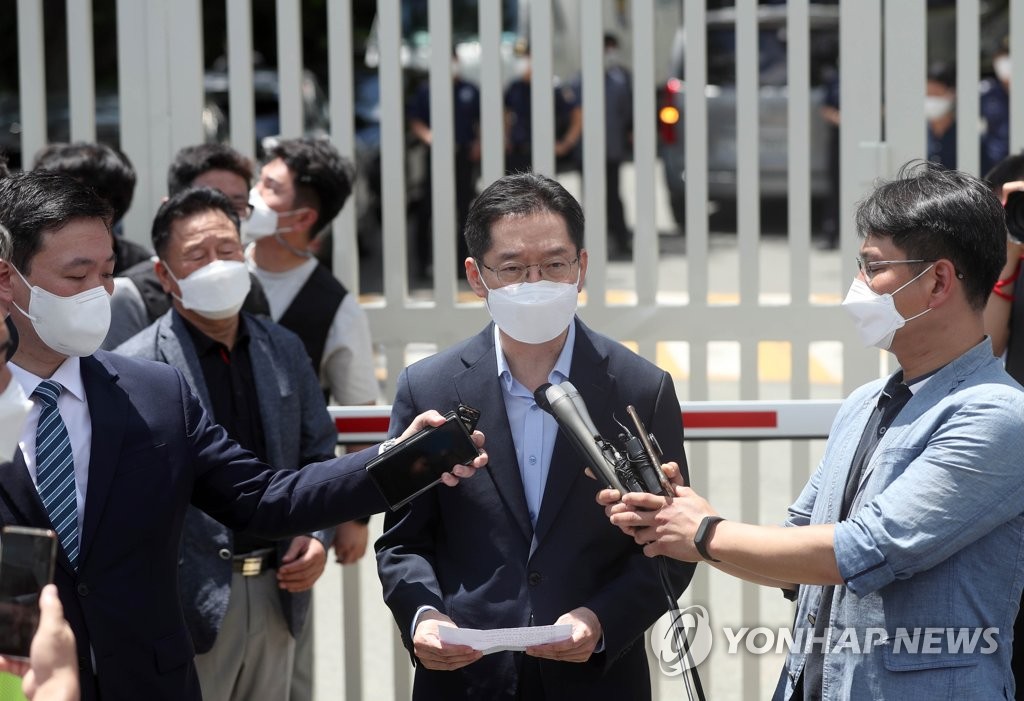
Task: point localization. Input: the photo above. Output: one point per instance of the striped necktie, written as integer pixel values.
(55, 470)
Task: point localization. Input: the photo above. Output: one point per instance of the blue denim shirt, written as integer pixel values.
(932, 555)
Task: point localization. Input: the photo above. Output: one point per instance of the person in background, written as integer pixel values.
(995, 109)
(139, 299)
(519, 120)
(111, 174)
(467, 160)
(940, 113)
(301, 188)
(245, 598)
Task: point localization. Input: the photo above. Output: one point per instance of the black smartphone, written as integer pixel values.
(27, 557)
(417, 463)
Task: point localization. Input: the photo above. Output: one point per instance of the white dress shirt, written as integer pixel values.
(74, 410)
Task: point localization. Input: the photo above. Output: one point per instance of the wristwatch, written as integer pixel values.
(387, 445)
(703, 534)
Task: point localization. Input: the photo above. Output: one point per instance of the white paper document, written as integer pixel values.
(498, 639)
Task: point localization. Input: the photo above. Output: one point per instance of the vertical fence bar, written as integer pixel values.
(594, 185)
(542, 97)
(1016, 77)
(289, 67)
(861, 151)
(968, 68)
(185, 76)
(81, 76)
(492, 101)
(695, 121)
(342, 115)
(748, 170)
(645, 249)
(392, 159)
(905, 38)
(799, 149)
(442, 152)
(241, 95)
(31, 79)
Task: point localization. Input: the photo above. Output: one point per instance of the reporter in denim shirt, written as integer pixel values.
(904, 549)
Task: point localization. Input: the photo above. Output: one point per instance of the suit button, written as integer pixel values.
(224, 554)
(811, 618)
(82, 589)
(534, 579)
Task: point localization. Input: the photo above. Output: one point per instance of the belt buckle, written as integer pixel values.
(252, 566)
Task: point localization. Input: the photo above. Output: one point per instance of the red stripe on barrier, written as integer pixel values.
(362, 424)
(731, 419)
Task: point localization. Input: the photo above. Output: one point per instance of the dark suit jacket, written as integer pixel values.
(296, 429)
(154, 451)
(473, 553)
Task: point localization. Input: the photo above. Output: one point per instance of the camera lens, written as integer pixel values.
(1015, 216)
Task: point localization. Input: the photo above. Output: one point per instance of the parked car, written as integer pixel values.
(773, 106)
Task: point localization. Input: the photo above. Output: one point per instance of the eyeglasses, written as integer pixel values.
(241, 206)
(552, 270)
(870, 268)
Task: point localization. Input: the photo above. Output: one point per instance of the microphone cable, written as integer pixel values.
(691, 679)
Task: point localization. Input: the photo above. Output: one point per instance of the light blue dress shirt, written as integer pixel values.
(533, 429)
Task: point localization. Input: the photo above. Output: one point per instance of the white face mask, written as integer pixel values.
(936, 106)
(533, 312)
(1002, 68)
(263, 220)
(72, 326)
(216, 290)
(875, 315)
(14, 407)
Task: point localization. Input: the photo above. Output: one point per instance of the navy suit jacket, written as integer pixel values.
(154, 451)
(473, 554)
(296, 429)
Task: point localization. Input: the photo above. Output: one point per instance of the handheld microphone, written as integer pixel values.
(557, 402)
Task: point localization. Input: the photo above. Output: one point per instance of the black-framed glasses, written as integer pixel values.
(552, 270)
(870, 268)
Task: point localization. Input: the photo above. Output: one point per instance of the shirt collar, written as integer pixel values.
(914, 385)
(205, 345)
(558, 374)
(68, 375)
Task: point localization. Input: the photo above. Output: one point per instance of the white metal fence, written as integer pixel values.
(160, 78)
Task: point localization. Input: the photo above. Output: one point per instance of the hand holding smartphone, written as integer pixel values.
(27, 557)
(416, 464)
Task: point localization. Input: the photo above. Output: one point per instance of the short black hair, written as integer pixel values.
(323, 177)
(942, 73)
(933, 213)
(105, 169)
(518, 195)
(187, 203)
(39, 201)
(1005, 171)
(192, 161)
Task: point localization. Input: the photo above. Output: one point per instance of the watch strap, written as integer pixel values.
(703, 534)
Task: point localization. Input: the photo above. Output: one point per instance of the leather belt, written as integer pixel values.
(254, 563)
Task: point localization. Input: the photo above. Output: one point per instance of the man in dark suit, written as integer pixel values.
(116, 448)
(253, 377)
(525, 545)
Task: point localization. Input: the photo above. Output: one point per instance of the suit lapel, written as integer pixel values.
(108, 405)
(20, 493)
(589, 374)
(272, 385)
(175, 347)
(478, 386)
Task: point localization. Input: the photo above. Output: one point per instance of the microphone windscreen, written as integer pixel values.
(541, 397)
